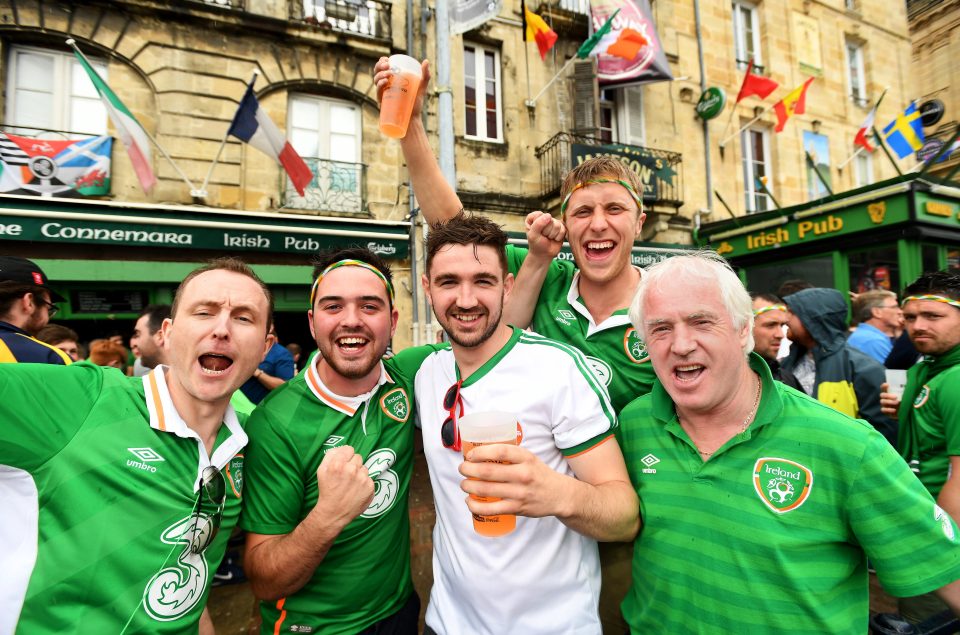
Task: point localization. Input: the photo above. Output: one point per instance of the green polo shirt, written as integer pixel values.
(773, 532)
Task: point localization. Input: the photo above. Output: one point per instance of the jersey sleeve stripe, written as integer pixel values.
(584, 369)
(283, 616)
(587, 445)
(578, 450)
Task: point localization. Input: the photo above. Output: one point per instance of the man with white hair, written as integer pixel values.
(759, 504)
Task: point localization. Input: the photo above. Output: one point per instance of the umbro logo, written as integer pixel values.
(146, 456)
(333, 440)
(565, 317)
(649, 461)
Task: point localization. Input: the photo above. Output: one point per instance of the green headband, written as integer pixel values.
(932, 298)
(633, 192)
(352, 263)
(772, 307)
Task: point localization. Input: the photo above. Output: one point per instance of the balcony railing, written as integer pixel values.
(368, 18)
(336, 187)
(659, 170)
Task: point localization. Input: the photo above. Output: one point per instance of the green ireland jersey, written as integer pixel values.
(772, 534)
(100, 479)
(930, 418)
(613, 348)
(365, 576)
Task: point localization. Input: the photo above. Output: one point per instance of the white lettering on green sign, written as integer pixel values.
(306, 244)
(58, 230)
(11, 230)
(245, 240)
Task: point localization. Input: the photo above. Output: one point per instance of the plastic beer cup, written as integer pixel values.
(485, 428)
(398, 97)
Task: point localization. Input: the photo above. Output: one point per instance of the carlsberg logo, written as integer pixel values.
(778, 471)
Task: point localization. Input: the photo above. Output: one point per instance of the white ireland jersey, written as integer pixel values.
(543, 577)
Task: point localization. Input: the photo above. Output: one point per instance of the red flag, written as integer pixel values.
(628, 44)
(755, 85)
(793, 104)
(534, 28)
(862, 139)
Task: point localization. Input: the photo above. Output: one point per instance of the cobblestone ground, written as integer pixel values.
(232, 607)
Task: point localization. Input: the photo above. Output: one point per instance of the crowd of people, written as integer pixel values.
(679, 469)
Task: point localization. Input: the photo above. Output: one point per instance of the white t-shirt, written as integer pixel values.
(543, 577)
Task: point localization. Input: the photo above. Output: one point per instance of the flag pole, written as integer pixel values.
(72, 44)
(533, 102)
(202, 192)
(747, 125)
(816, 171)
(850, 158)
(943, 149)
(734, 111)
(879, 139)
(526, 49)
(875, 108)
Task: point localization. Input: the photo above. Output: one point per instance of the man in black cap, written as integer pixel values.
(26, 305)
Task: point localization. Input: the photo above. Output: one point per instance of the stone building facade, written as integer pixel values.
(182, 68)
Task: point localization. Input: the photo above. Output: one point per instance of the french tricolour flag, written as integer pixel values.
(252, 125)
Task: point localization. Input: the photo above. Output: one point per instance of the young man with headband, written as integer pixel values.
(929, 435)
(582, 304)
(120, 493)
(329, 465)
(769, 329)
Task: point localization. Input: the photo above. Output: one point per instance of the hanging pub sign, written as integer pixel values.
(711, 103)
(651, 168)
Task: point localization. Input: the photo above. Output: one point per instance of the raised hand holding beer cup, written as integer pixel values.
(401, 81)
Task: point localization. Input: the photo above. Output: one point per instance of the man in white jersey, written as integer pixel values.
(566, 480)
(114, 487)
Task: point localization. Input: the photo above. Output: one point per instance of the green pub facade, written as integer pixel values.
(881, 236)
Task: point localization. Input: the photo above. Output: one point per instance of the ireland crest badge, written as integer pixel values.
(783, 485)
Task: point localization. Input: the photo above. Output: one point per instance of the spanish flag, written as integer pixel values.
(534, 28)
(794, 103)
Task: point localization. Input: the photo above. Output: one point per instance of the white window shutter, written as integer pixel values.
(630, 115)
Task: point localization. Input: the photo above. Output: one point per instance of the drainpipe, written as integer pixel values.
(706, 123)
(412, 215)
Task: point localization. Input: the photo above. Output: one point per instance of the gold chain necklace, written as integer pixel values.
(746, 422)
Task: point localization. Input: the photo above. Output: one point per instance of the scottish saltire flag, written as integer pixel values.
(253, 125)
(60, 168)
(131, 133)
(904, 134)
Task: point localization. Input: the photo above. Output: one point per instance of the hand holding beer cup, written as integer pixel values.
(400, 81)
(345, 486)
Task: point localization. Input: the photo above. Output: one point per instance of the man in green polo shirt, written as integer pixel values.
(930, 422)
(760, 505)
(329, 466)
(119, 493)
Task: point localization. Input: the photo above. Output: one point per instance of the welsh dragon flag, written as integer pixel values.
(55, 167)
(129, 130)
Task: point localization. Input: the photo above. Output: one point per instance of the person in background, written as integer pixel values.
(296, 352)
(64, 338)
(26, 306)
(108, 353)
(769, 326)
(879, 320)
(828, 368)
(276, 368)
(146, 343)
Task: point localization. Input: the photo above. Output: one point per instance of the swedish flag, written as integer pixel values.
(904, 134)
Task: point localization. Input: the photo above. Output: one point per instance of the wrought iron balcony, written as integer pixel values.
(336, 187)
(659, 170)
(367, 18)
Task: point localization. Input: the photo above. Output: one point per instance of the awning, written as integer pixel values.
(50, 220)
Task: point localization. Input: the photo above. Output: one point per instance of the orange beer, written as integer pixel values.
(398, 97)
(492, 526)
(487, 428)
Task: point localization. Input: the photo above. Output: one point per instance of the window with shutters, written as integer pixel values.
(481, 83)
(746, 35)
(756, 168)
(856, 79)
(586, 98)
(863, 169)
(49, 91)
(630, 115)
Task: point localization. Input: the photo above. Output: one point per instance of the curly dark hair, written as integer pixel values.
(467, 229)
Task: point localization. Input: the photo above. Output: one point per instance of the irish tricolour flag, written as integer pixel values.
(253, 125)
(129, 130)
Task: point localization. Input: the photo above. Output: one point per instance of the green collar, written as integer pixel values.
(493, 361)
